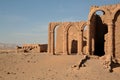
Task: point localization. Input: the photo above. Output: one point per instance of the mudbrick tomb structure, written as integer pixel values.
(37, 48)
(99, 35)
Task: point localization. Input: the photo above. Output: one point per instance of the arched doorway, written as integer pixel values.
(98, 32)
(56, 34)
(74, 48)
(117, 34)
(72, 40)
(59, 39)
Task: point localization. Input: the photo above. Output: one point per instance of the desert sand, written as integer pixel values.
(43, 66)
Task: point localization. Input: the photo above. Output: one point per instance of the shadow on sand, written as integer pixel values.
(114, 65)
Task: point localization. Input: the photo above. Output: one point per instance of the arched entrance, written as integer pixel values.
(98, 30)
(74, 47)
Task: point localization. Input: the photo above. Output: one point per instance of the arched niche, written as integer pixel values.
(51, 36)
(71, 38)
(59, 39)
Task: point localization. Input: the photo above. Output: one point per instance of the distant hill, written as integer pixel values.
(7, 46)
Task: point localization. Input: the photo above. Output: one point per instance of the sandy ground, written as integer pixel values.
(41, 66)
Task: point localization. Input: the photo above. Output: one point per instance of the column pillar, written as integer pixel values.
(49, 41)
(52, 43)
(65, 45)
(79, 43)
(88, 38)
(110, 38)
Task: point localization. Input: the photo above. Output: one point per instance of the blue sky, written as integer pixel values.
(26, 21)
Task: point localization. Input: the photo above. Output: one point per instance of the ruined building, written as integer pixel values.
(35, 48)
(99, 35)
(68, 36)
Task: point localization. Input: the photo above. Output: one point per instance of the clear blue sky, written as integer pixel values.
(26, 21)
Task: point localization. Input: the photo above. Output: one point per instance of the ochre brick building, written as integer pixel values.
(33, 48)
(99, 35)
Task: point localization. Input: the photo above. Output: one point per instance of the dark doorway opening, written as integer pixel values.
(74, 47)
(99, 39)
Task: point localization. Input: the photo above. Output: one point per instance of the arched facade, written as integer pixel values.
(110, 26)
(100, 38)
(68, 38)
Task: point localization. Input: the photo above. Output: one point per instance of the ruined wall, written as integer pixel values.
(100, 38)
(32, 48)
(65, 37)
(72, 40)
